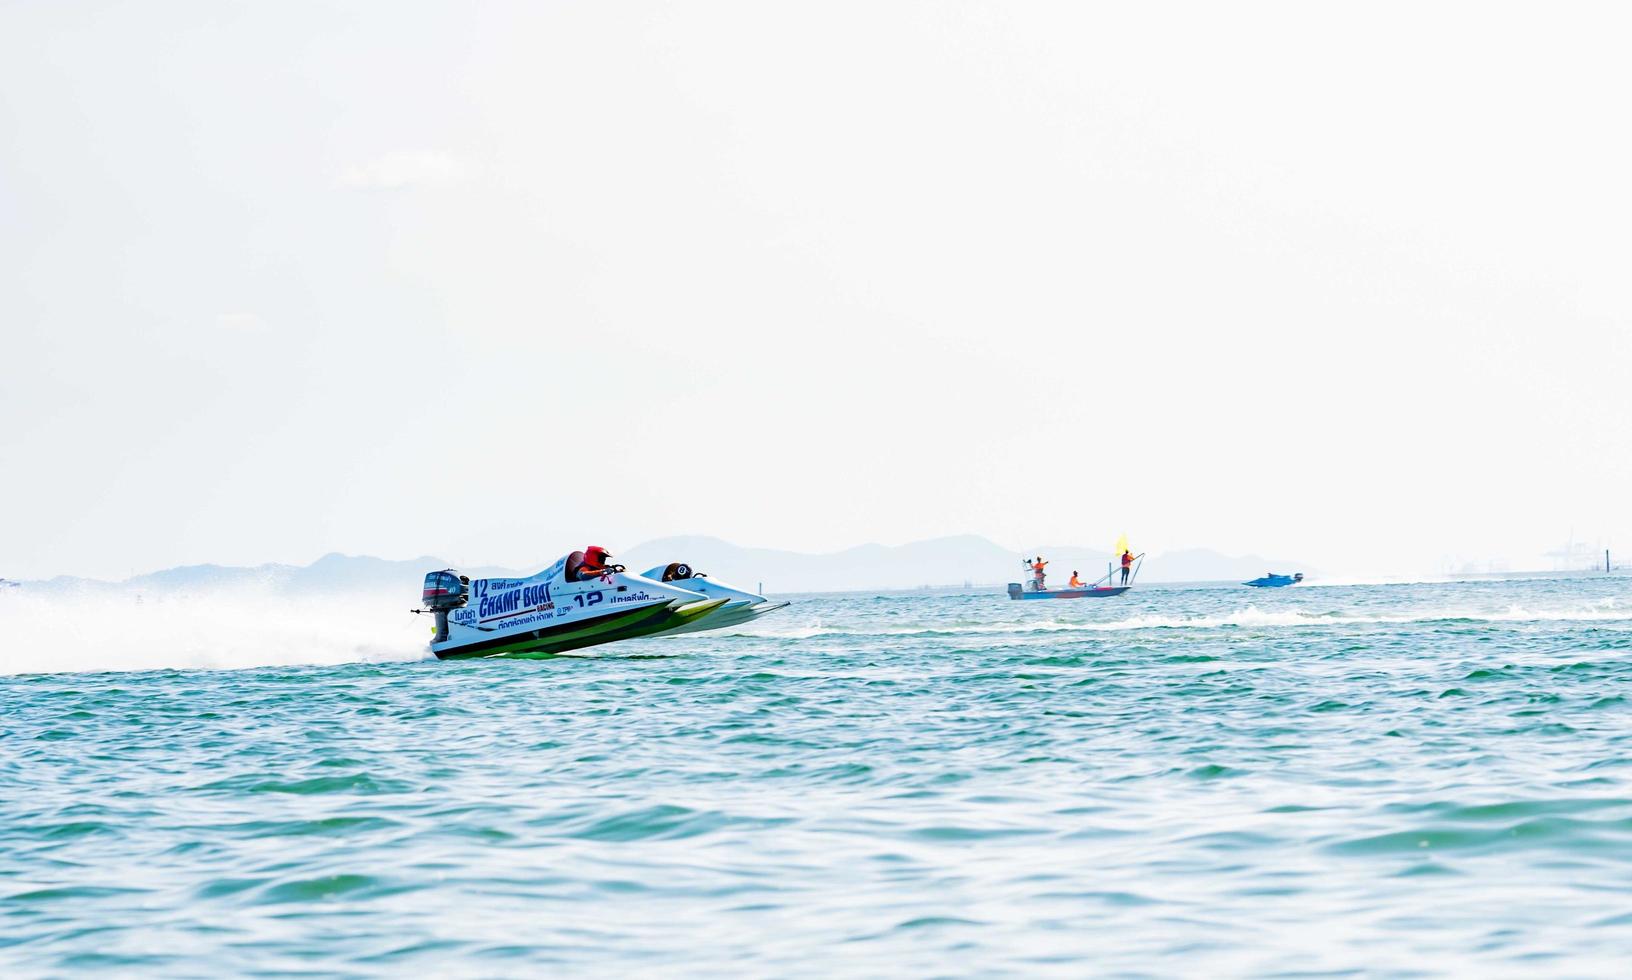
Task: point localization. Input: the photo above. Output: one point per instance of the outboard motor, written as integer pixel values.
(444, 590)
(1298, 577)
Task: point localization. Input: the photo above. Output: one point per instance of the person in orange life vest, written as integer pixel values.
(1077, 583)
(1127, 563)
(1037, 567)
(595, 563)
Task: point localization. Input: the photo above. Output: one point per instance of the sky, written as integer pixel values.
(1345, 284)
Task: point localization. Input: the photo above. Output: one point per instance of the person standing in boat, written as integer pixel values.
(1038, 575)
(1127, 563)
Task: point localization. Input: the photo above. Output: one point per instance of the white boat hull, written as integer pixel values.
(740, 606)
(545, 614)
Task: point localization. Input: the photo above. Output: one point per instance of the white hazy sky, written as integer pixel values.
(1350, 284)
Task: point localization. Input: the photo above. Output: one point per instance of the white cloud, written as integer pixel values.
(404, 168)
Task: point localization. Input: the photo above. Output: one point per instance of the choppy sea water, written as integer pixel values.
(1392, 779)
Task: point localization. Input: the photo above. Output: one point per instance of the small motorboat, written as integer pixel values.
(1101, 589)
(1272, 581)
(558, 609)
(1095, 592)
(740, 606)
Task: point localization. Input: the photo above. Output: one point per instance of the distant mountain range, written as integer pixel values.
(333, 573)
(937, 562)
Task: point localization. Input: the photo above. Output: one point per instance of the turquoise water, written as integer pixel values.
(1394, 779)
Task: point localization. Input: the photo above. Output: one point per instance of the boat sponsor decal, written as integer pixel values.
(521, 620)
(525, 617)
(509, 603)
(513, 608)
(497, 598)
(497, 605)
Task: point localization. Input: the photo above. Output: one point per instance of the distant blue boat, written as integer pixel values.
(1273, 581)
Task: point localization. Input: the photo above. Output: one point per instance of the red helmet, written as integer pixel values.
(596, 552)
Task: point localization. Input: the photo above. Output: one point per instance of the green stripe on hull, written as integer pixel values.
(605, 629)
(560, 637)
(549, 646)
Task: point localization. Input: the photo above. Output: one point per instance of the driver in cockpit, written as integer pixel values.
(595, 563)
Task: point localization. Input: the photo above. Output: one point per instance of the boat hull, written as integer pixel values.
(1016, 592)
(741, 606)
(731, 614)
(548, 641)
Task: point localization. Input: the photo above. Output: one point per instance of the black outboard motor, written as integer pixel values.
(444, 590)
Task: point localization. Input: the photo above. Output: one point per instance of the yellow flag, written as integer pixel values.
(1121, 545)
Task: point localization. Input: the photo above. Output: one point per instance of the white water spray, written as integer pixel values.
(53, 633)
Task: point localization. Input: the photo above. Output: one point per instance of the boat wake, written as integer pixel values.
(74, 633)
(1250, 617)
(57, 633)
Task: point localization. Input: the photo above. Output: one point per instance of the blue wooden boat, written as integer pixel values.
(1272, 581)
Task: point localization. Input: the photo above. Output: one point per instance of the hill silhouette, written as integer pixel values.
(949, 561)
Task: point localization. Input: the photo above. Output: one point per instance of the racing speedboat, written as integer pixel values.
(1270, 580)
(740, 606)
(558, 609)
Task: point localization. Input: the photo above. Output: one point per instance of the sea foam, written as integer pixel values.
(51, 633)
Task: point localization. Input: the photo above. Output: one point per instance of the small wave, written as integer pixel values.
(666, 822)
(1250, 617)
(68, 633)
(1550, 832)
